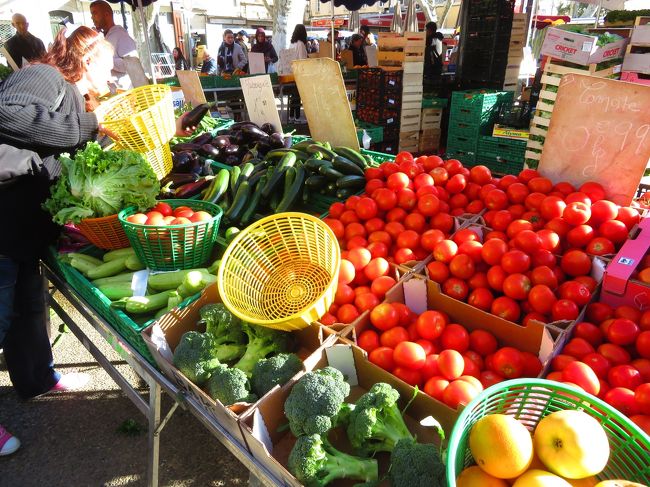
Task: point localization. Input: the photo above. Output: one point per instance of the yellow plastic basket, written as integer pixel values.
(281, 272)
(141, 118)
(160, 160)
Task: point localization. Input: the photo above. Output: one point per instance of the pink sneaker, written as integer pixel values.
(71, 382)
(8, 442)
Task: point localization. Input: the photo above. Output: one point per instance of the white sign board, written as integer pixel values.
(256, 63)
(286, 57)
(260, 101)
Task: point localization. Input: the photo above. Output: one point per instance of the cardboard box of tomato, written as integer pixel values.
(270, 441)
(620, 286)
(163, 336)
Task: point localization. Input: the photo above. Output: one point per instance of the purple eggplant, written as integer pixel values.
(185, 146)
(240, 125)
(231, 160)
(210, 150)
(204, 138)
(253, 133)
(268, 128)
(178, 179)
(221, 141)
(276, 140)
(182, 161)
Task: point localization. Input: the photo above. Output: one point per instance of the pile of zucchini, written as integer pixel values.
(112, 274)
(286, 178)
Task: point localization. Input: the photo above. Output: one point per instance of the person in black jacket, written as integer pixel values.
(180, 63)
(265, 47)
(358, 49)
(23, 44)
(42, 114)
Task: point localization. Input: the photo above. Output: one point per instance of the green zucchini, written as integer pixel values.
(119, 278)
(301, 155)
(275, 200)
(327, 153)
(315, 181)
(303, 145)
(346, 166)
(147, 304)
(312, 164)
(109, 268)
(288, 160)
(235, 211)
(246, 171)
(133, 263)
(219, 186)
(234, 176)
(344, 193)
(351, 182)
(117, 254)
(163, 281)
(174, 300)
(86, 257)
(83, 265)
(116, 291)
(330, 173)
(276, 154)
(292, 192)
(352, 156)
(254, 202)
(192, 283)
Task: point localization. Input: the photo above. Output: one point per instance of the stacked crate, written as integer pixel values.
(515, 52)
(430, 130)
(502, 155)
(554, 70)
(485, 42)
(472, 115)
(636, 65)
(379, 102)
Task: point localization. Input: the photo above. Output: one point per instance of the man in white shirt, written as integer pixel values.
(123, 44)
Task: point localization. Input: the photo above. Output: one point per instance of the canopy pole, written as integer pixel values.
(333, 39)
(145, 28)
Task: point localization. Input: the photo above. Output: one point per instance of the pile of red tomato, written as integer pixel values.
(163, 214)
(609, 357)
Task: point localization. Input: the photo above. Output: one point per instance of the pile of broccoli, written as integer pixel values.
(234, 360)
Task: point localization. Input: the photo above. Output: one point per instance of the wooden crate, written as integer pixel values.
(431, 118)
(409, 141)
(410, 120)
(429, 140)
(554, 70)
(398, 50)
(637, 54)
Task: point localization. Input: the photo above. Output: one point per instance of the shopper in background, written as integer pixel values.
(242, 40)
(123, 44)
(433, 53)
(299, 45)
(23, 44)
(358, 49)
(209, 65)
(265, 47)
(336, 41)
(230, 56)
(368, 37)
(180, 62)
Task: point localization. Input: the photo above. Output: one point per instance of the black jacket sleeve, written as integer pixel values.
(18, 162)
(273, 55)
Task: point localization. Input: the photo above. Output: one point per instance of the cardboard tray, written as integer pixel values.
(580, 48)
(175, 323)
(271, 447)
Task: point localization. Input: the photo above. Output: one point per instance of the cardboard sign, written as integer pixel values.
(600, 131)
(580, 48)
(191, 86)
(285, 58)
(325, 101)
(260, 101)
(256, 63)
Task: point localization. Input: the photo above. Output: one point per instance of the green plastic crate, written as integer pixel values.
(500, 164)
(501, 147)
(466, 129)
(468, 158)
(462, 142)
(475, 107)
(375, 132)
(434, 102)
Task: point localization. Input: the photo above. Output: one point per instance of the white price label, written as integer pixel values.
(586, 46)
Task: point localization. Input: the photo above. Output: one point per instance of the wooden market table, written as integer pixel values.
(73, 309)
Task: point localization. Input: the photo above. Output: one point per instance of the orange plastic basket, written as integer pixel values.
(106, 232)
(141, 119)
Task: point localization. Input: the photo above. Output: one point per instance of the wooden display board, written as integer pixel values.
(191, 86)
(325, 101)
(260, 101)
(599, 131)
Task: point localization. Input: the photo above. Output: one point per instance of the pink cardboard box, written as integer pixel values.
(619, 288)
(580, 48)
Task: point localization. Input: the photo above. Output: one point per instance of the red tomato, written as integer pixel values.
(391, 338)
(495, 277)
(613, 230)
(527, 174)
(382, 285)
(577, 213)
(456, 288)
(451, 364)
(459, 393)
(594, 190)
(378, 249)
(559, 226)
(455, 337)
(642, 421)
(496, 200)
(489, 378)
(599, 364)
(410, 376)
(397, 181)
(346, 272)
(528, 241)
(506, 308)
(616, 354)
(164, 209)
(336, 209)
(327, 319)
(508, 362)
(549, 239)
(137, 218)
(563, 309)
(443, 222)
(564, 188)
(552, 207)
(415, 222)
(480, 174)
(407, 199)
(541, 185)
(406, 316)
(642, 398)
(430, 238)
(438, 271)
(598, 312)
(541, 299)
(435, 387)
(576, 263)
(344, 294)
(384, 316)
(559, 362)
(366, 301)
(349, 216)
(368, 340)
(431, 324)
(580, 236)
(347, 313)
(543, 275)
(622, 399)
(439, 175)
(600, 246)
(603, 210)
(493, 250)
(534, 200)
(577, 197)
(589, 332)
(428, 204)
(408, 239)
(622, 332)
(377, 267)
(483, 342)
(386, 199)
(624, 376)
(382, 357)
(461, 266)
(445, 250)
(409, 355)
(629, 216)
(481, 298)
(642, 344)
(517, 192)
(373, 185)
(516, 286)
(627, 312)
(582, 375)
(478, 280)
(389, 168)
(576, 292)
(515, 261)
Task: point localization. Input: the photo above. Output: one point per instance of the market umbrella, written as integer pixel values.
(396, 23)
(354, 23)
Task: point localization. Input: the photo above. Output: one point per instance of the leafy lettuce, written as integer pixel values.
(97, 183)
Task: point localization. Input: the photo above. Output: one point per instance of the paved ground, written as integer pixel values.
(72, 439)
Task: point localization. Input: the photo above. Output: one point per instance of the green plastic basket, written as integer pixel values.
(500, 165)
(173, 247)
(500, 146)
(529, 400)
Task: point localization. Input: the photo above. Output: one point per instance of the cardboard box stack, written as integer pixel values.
(636, 65)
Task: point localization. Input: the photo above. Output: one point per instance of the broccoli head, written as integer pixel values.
(262, 342)
(195, 356)
(376, 423)
(315, 401)
(229, 386)
(274, 371)
(229, 352)
(222, 324)
(416, 465)
(315, 463)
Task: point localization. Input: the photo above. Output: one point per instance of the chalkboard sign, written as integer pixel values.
(325, 101)
(260, 101)
(599, 131)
